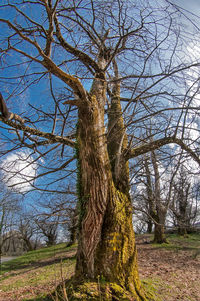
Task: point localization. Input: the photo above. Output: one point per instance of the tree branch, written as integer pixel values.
(83, 57)
(70, 80)
(147, 147)
(50, 137)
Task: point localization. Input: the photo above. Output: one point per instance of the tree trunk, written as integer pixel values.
(149, 226)
(28, 243)
(159, 230)
(160, 210)
(73, 228)
(51, 240)
(106, 253)
(159, 234)
(182, 230)
(183, 204)
(151, 204)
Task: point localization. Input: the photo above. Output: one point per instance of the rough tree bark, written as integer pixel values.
(106, 248)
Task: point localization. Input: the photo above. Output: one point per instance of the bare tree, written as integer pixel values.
(57, 209)
(9, 206)
(158, 205)
(166, 190)
(28, 232)
(49, 229)
(152, 202)
(184, 205)
(107, 71)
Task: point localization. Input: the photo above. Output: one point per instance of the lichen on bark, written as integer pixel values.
(106, 251)
(107, 255)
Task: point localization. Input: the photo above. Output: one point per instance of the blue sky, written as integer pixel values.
(192, 6)
(39, 93)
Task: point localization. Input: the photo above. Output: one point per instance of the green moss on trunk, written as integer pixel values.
(107, 255)
(95, 291)
(116, 259)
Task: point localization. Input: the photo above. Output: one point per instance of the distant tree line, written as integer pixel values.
(26, 230)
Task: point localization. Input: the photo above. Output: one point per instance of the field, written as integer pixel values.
(169, 271)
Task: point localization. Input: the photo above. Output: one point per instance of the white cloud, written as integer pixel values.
(19, 170)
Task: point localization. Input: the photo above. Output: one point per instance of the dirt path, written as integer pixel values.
(4, 259)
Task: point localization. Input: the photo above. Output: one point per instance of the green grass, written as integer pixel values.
(36, 273)
(34, 257)
(151, 287)
(191, 242)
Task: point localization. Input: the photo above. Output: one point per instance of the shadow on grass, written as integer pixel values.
(35, 266)
(34, 259)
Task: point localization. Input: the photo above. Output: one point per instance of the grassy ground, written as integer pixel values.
(182, 243)
(33, 275)
(173, 268)
(171, 271)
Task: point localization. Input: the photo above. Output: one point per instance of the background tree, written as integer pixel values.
(9, 206)
(61, 211)
(184, 204)
(49, 229)
(176, 180)
(107, 71)
(153, 197)
(28, 232)
(157, 203)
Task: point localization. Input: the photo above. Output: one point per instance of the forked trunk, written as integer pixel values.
(106, 253)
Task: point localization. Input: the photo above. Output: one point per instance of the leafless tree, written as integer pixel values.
(63, 211)
(28, 232)
(184, 204)
(97, 72)
(9, 206)
(153, 202)
(49, 229)
(167, 190)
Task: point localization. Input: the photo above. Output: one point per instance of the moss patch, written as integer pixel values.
(95, 291)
